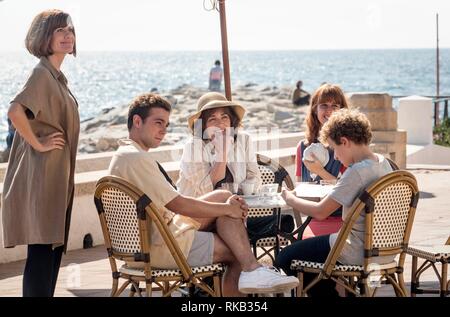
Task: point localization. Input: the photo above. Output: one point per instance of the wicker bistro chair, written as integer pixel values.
(126, 214)
(431, 256)
(271, 173)
(389, 205)
(393, 165)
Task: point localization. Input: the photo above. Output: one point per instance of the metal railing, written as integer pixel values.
(437, 101)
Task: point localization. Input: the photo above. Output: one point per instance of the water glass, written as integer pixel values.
(247, 188)
(269, 189)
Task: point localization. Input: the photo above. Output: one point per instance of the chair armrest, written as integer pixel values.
(300, 230)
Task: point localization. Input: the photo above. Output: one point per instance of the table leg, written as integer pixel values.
(414, 281)
(443, 292)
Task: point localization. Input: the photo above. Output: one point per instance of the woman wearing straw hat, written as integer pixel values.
(218, 153)
(221, 156)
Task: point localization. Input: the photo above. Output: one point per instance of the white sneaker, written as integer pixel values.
(265, 280)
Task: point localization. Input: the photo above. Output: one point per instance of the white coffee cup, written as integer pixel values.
(247, 188)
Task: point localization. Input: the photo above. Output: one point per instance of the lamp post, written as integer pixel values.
(436, 104)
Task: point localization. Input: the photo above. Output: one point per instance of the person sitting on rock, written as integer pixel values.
(300, 97)
(148, 119)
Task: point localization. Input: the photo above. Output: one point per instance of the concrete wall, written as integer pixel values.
(415, 116)
(387, 139)
(430, 154)
(100, 161)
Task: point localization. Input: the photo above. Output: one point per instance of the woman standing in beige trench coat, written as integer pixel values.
(39, 182)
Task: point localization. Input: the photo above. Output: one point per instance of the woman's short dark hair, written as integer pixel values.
(39, 36)
(142, 104)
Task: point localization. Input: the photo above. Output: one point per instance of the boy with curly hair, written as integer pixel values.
(348, 133)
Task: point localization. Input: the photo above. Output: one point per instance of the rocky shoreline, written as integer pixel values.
(267, 108)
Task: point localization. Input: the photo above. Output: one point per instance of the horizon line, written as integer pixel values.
(243, 50)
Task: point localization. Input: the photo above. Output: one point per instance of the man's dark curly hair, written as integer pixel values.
(142, 104)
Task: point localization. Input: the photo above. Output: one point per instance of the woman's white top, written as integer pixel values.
(199, 157)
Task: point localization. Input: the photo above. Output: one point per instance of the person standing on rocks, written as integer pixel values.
(39, 182)
(215, 77)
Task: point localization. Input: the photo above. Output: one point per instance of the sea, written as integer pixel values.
(107, 79)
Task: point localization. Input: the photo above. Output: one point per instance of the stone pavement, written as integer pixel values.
(87, 272)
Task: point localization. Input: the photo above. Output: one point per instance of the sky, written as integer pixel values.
(144, 25)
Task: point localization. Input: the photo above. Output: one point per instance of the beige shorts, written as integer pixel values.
(202, 250)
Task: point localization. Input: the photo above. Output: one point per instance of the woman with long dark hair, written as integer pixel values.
(326, 99)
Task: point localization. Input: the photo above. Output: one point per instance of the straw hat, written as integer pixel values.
(213, 100)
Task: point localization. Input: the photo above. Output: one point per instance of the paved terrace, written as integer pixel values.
(87, 272)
